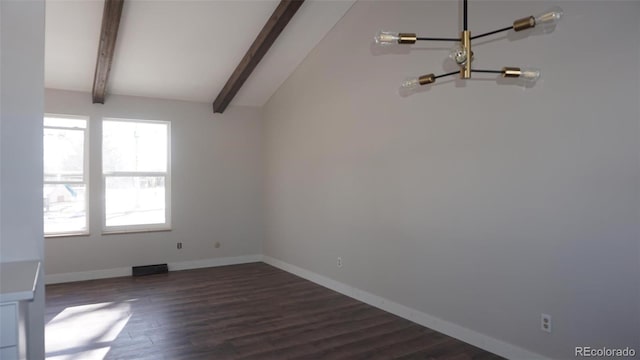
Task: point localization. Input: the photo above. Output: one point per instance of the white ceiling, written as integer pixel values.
(184, 50)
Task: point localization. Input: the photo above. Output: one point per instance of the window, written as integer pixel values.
(136, 175)
(65, 189)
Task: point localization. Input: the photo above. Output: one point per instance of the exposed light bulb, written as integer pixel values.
(415, 82)
(410, 83)
(458, 54)
(549, 17)
(384, 38)
(529, 74)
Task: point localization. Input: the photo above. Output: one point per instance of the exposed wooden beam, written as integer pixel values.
(267, 36)
(108, 35)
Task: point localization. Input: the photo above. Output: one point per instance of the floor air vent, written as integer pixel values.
(149, 269)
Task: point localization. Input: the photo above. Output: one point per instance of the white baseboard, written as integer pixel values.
(86, 275)
(126, 271)
(472, 337)
(205, 263)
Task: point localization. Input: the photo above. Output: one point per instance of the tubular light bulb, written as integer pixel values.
(550, 17)
(411, 83)
(384, 38)
(415, 82)
(529, 75)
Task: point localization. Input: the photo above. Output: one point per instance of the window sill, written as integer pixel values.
(65, 235)
(134, 231)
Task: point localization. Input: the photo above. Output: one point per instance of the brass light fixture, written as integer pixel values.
(462, 53)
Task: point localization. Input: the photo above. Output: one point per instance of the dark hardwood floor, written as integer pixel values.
(251, 311)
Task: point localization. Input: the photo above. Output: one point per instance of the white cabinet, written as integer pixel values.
(9, 331)
(9, 324)
(9, 353)
(17, 287)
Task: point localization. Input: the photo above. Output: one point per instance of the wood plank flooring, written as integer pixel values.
(250, 311)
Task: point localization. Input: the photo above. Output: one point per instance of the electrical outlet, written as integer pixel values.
(545, 322)
(339, 262)
(179, 245)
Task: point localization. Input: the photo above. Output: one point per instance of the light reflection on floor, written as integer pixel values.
(85, 332)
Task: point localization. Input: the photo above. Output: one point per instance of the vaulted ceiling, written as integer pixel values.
(183, 50)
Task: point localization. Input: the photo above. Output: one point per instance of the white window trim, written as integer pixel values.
(120, 229)
(85, 174)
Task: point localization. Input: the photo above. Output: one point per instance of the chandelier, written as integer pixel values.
(462, 54)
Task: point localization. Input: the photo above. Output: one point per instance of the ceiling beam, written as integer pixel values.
(110, 23)
(267, 36)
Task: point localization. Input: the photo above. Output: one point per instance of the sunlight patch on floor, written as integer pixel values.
(85, 332)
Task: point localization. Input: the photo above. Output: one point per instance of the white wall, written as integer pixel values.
(21, 104)
(216, 186)
(480, 204)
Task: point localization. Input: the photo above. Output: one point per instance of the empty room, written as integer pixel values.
(319, 179)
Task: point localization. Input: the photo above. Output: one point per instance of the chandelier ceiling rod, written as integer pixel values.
(464, 15)
(462, 53)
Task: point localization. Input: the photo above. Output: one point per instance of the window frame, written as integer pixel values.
(119, 229)
(85, 172)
